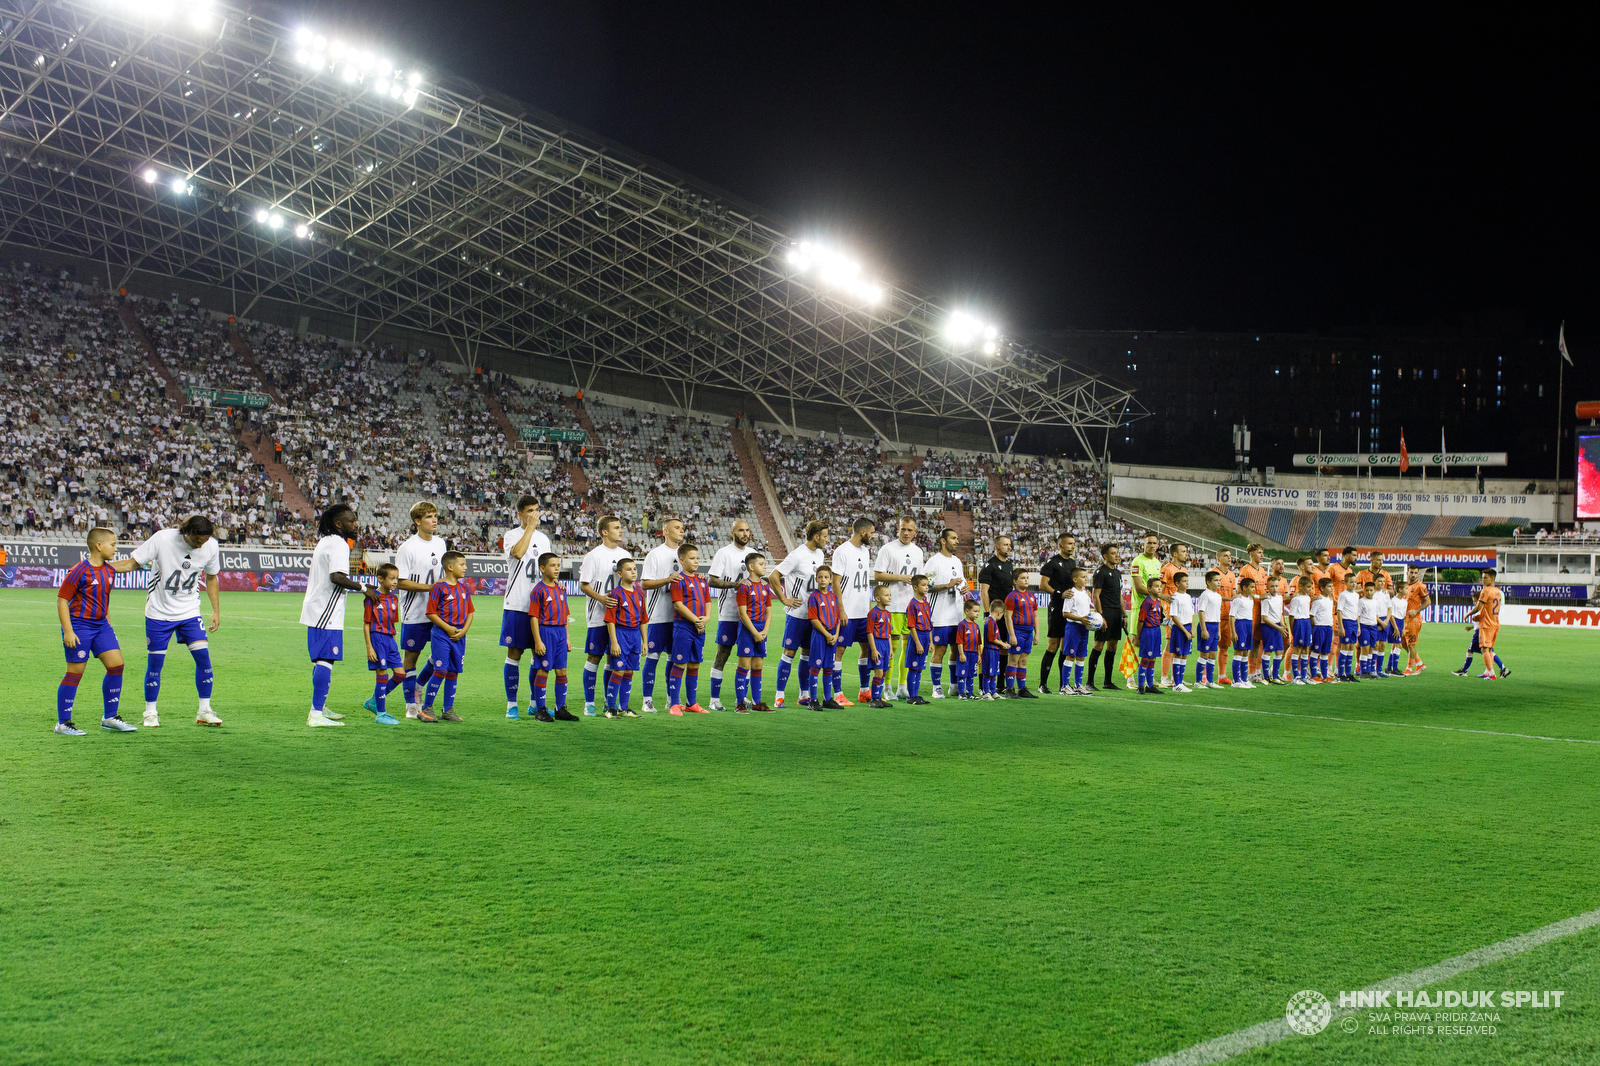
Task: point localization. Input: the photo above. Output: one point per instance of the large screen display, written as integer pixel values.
(1588, 476)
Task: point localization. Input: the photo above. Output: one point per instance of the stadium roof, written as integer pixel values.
(199, 141)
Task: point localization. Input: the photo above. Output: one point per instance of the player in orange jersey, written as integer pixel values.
(1487, 610)
(1227, 588)
(1417, 600)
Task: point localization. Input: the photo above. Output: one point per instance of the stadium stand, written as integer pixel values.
(1308, 530)
(648, 462)
(382, 429)
(93, 434)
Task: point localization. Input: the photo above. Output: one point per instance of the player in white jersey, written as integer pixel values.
(947, 585)
(853, 582)
(656, 575)
(897, 563)
(322, 610)
(727, 573)
(522, 545)
(177, 558)
(419, 562)
(597, 576)
(795, 579)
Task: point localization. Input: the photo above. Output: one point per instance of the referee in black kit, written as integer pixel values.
(1106, 591)
(1055, 577)
(997, 578)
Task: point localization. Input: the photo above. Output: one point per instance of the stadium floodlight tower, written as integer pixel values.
(325, 171)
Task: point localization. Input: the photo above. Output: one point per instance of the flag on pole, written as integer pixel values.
(1128, 663)
(1405, 456)
(1561, 343)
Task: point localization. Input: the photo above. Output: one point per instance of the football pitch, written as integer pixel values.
(1074, 880)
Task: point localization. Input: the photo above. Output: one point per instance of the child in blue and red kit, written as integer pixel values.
(378, 619)
(919, 638)
(691, 596)
(822, 607)
(1021, 608)
(1152, 613)
(81, 604)
(995, 646)
(450, 610)
(880, 627)
(969, 649)
(625, 622)
(755, 605)
(547, 622)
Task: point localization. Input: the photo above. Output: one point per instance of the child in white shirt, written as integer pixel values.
(1180, 641)
(1208, 613)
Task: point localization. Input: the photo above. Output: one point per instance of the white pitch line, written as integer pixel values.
(1357, 721)
(1263, 1033)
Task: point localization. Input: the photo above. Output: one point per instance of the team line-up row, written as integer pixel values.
(908, 615)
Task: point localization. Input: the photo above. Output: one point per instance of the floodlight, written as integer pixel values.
(988, 348)
(380, 87)
(351, 74)
(261, 214)
(416, 78)
(410, 97)
(151, 177)
(336, 49)
(304, 35)
(303, 57)
(395, 91)
(301, 230)
(179, 185)
(990, 333)
(275, 221)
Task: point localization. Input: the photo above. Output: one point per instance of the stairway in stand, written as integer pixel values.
(580, 478)
(961, 522)
(131, 321)
(757, 482)
(260, 447)
(245, 352)
(492, 402)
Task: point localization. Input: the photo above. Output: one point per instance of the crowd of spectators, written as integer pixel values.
(92, 436)
(648, 463)
(836, 479)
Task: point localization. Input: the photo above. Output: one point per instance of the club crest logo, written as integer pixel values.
(1308, 1012)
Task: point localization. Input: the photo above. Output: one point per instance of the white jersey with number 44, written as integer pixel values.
(521, 574)
(175, 574)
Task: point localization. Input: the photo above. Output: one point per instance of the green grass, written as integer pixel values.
(1068, 880)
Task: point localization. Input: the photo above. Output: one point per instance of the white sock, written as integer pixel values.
(149, 708)
(205, 704)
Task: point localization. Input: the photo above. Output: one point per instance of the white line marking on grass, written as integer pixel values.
(1242, 1040)
(1358, 721)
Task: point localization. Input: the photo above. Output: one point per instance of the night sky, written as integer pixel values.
(1158, 169)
